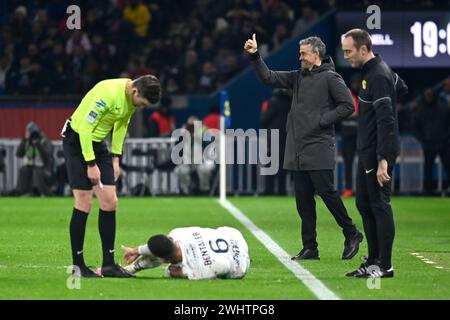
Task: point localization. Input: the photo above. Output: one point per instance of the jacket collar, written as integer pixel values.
(371, 63)
(327, 64)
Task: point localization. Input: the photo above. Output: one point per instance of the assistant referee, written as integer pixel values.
(378, 146)
(91, 168)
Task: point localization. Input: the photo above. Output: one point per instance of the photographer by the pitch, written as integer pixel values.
(36, 152)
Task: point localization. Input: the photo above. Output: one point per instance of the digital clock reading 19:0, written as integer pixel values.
(429, 41)
(417, 39)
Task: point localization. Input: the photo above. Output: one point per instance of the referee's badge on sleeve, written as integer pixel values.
(364, 84)
(91, 117)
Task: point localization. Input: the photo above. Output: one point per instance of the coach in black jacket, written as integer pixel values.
(378, 146)
(320, 99)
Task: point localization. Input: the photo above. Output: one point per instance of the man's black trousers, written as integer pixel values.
(373, 203)
(307, 184)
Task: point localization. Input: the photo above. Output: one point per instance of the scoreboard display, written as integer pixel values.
(406, 39)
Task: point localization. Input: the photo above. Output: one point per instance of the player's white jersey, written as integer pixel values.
(212, 253)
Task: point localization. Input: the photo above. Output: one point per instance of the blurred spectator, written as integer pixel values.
(432, 129)
(20, 26)
(5, 66)
(194, 178)
(137, 68)
(280, 35)
(184, 39)
(208, 78)
(161, 123)
(77, 40)
(308, 17)
(139, 15)
(349, 129)
(26, 78)
(212, 119)
(206, 51)
(274, 117)
(36, 174)
(445, 93)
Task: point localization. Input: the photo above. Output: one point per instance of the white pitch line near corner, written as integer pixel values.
(308, 279)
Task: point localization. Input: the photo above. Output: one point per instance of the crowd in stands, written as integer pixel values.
(193, 46)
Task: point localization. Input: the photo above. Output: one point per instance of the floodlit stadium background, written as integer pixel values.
(196, 49)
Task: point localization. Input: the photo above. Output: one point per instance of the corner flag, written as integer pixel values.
(225, 108)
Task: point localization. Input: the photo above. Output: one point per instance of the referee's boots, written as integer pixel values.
(84, 272)
(351, 245)
(307, 254)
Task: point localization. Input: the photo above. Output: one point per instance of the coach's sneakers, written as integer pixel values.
(84, 272)
(361, 272)
(115, 271)
(378, 272)
(307, 254)
(351, 245)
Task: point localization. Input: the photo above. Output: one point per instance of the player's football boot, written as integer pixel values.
(307, 254)
(115, 271)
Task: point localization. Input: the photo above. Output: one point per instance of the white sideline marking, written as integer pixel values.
(308, 279)
(426, 260)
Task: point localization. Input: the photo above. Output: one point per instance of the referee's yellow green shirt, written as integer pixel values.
(105, 107)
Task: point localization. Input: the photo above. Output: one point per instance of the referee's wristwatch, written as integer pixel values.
(380, 157)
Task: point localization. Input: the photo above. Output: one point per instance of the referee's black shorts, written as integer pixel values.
(77, 167)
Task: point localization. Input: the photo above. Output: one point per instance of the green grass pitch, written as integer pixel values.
(35, 247)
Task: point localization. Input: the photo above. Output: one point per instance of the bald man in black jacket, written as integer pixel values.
(378, 146)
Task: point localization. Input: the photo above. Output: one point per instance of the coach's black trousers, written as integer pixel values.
(307, 183)
(373, 203)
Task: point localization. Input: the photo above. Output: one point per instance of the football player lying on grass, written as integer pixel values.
(194, 253)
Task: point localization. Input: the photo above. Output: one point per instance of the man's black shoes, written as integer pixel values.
(378, 272)
(115, 271)
(307, 254)
(367, 270)
(361, 272)
(351, 245)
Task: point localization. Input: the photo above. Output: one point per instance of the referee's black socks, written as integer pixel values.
(107, 229)
(77, 232)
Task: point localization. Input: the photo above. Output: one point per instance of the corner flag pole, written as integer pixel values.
(225, 121)
(223, 165)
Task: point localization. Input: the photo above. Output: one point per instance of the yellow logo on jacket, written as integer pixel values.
(364, 84)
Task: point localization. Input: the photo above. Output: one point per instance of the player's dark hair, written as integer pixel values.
(161, 246)
(361, 38)
(149, 87)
